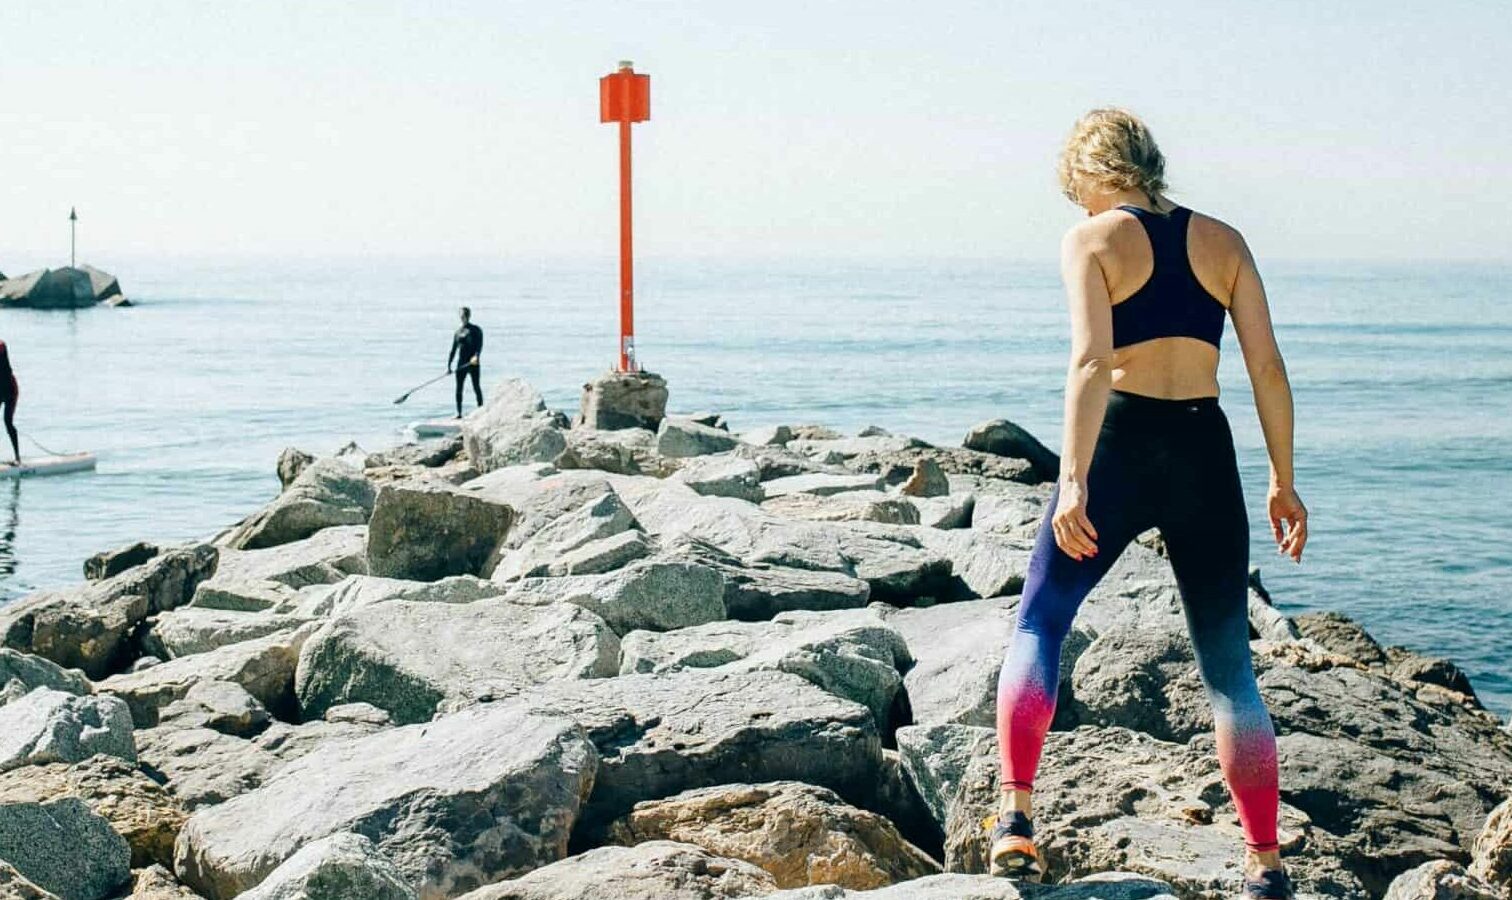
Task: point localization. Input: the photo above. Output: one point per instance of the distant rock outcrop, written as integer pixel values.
(64, 288)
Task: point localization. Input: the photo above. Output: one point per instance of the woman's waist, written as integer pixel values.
(1132, 411)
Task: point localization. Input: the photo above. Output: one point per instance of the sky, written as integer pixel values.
(869, 130)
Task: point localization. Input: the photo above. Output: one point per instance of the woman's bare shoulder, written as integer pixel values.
(1212, 234)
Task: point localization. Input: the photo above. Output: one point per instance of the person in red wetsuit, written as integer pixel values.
(10, 392)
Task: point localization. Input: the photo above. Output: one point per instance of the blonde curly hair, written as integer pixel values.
(1113, 150)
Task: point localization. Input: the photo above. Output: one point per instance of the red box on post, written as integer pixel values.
(625, 97)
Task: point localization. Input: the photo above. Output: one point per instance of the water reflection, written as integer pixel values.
(10, 518)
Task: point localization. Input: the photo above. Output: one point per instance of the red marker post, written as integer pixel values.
(625, 97)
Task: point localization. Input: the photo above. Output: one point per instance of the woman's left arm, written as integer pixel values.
(1089, 378)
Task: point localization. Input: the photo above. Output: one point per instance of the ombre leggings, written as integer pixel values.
(1166, 464)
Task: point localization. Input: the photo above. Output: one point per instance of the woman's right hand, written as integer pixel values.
(1288, 520)
(1074, 533)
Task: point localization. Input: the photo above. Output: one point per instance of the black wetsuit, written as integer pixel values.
(10, 392)
(467, 343)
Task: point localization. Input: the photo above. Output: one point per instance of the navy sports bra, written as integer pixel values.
(1173, 303)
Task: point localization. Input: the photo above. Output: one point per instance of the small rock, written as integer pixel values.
(326, 557)
(603, 555)
(108, 563)
(650, 594)
(427, 454)
(1339, 634)
(291, 462)
(194, 629)
(344, 866)
(851, 506)
(769, 436)
(821, 485)
(145, 663)
(222, 706)
(928, 480)
(360, 713)
(157, 883)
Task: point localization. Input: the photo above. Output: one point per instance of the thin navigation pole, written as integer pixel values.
(625, 97)
(73, 237)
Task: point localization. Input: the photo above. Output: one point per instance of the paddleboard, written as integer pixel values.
(50, 465)
(436, 427)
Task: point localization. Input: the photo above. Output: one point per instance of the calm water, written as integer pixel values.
(1403, 377)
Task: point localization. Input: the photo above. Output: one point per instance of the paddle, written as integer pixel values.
(406, 395)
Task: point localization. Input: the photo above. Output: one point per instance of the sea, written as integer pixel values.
(1402, 374)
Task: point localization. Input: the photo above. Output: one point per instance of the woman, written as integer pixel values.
(10, 393)
(1146, 446)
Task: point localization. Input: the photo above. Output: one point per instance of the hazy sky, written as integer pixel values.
(817, 129)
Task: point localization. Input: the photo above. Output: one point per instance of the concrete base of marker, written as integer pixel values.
(617, 400)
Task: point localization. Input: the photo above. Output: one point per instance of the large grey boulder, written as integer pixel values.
(325, 557)
(243, 596)
(91, 627)
(984, 565)
(602, 517)
(1103, 886)
(21, 673)
(109, 563)
(137, 808)
(326, 493)
(723, 476)
(958, 649)
(412, 658)
(1001, 437)
(851, 654)
(511, 428)
(664, 733)
(203, 766)
(64, 848)
(47, 726)
(650, 594)
(344, 866)
(679, 437)
(429, 532)
(483, 794)
(1441, 880)
(195, 629)
(1110, 799)
(264, 667)
(617, 400)
(798, 833)
(654, 870)
(358, 591)
(427, 454)
(758, 593)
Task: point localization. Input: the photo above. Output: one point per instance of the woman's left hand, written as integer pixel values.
(1288, 520)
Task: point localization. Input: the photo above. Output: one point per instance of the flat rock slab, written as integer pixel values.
(63, 847)
(651, 594)
(411, 658)
(264, 667)
(358, 591)
(851, 506)
(326, 557)
(852, 654)
(326, 493)
(1109, 886)
(665, 733)
(470, 798)
(798, 833)
(656, 870)
(193, 629)
(48, 726)
(22, 672)
(723, 476)
(821, 485)
(678, 437)
(338, 867)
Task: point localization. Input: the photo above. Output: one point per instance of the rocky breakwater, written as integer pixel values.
(551, 661)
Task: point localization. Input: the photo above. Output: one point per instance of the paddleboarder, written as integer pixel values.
(10, 392)
(467, 344)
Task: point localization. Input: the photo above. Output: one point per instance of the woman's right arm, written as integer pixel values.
(1273, 402)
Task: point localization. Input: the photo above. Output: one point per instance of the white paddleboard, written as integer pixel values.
(50, 465)
(436, 427)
